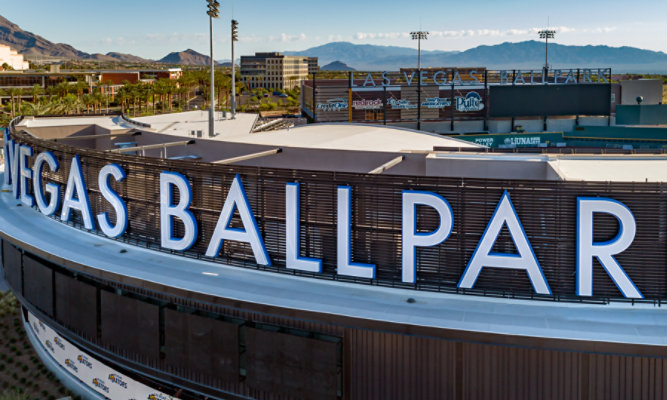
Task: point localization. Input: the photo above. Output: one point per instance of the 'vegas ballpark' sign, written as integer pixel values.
(430, 77)
(176, 197)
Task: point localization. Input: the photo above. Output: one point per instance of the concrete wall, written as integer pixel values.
(54, 132)
(472, 166)
(650, 89)
(642, 115)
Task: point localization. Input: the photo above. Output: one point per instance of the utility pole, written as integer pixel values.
(235, 38)
(213, 12)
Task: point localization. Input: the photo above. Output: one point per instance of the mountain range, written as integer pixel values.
(522, 55)
(33, 46)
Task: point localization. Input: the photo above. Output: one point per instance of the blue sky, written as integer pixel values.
(151, 28)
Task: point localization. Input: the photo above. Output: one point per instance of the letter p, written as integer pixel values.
(412, 239)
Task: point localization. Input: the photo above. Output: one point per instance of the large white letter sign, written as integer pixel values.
(76, 186)
(525, 259)
(169, 211)
(14, 169)
(345, 265)
(116, 201)
(236, 198)
(25, 174)
(53, 189)
(9, 157)
(292, 239)
(603, 251)
(411, 238)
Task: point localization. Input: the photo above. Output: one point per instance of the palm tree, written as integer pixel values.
(14, 92)
(121, 98)
(160, 90)
(35, 91)
(62, 89)
(106, 92)
(98, 99)
(87, 101)
(70, 103)
(39, 108)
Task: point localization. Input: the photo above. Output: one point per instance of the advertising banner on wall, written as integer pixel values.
(90, 371)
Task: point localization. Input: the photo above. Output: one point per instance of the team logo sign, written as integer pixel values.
(118, 380)
(50, 346)
(59, 342)
(70, 364)
(337, 104)
(472, 102)
(436, 102)
(83, 360)
(99, 383)
(401, 104)
(365, 104)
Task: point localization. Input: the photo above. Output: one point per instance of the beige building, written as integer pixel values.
(275, 70)
(12, 58)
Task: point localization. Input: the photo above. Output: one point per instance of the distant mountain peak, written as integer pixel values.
(186, 57)
(337, 66)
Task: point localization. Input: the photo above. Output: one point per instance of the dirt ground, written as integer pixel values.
(22, 374)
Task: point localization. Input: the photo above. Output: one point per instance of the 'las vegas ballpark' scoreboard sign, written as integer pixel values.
(24, 172)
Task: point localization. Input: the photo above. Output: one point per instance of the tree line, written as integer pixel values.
(135, 99)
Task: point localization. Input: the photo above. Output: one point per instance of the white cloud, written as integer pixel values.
(284, 38)
(480, 32)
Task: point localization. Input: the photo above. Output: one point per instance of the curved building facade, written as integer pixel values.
(151, 277)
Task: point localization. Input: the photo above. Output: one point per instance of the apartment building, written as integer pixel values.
(275, 70)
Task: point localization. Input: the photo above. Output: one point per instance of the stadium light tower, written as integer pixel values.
(546, 34)
(213, 12)
(418, 36)
(235, 38)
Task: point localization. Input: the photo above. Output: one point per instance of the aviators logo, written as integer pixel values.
(157, 396)
(59, 342)
(118, 380)
(100, 384)
(83, 360)
(70, 364)
(50, 346)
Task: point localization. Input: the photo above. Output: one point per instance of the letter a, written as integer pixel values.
(526, 260)
(236, 198)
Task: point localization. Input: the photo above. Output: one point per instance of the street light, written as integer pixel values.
(213, 12)
(546, 34)
(418, 36)
(235, 38)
